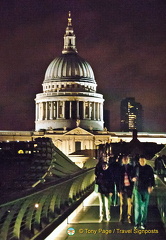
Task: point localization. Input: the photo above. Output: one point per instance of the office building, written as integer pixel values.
(131, 115)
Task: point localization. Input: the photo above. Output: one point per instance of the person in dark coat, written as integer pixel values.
(144, 184)
(115, 167)
(125, 189)
(105, 183)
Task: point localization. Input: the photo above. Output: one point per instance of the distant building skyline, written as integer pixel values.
(131, 114)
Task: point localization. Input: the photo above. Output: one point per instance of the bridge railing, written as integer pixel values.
(25, 217)
(161, 197)
(160, 167)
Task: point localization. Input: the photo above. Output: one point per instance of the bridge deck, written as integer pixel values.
(87, 226)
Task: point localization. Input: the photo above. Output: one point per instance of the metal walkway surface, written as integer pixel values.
(87, 227)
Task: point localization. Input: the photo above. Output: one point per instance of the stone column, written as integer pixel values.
(89, 109)
(40, 111)
(37, 112)
(63, 109)
(78, 115)
(46, 110)
(101, 111)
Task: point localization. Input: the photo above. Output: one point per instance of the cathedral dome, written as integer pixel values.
(69, 97)
(71, 67)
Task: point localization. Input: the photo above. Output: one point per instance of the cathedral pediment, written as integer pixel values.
(78, 131)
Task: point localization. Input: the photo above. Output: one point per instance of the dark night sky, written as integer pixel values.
(123, 40)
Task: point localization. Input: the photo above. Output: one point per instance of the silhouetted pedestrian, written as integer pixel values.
(144, 183)
(105, 183)
(125, 190)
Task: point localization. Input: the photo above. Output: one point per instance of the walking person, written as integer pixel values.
(115, 168)
(105, 189)
(125, 190)
(144, 184)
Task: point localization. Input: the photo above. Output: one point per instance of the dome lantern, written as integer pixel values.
(69, 38)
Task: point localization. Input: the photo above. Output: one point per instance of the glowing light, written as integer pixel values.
(20, 151)
(36, 205)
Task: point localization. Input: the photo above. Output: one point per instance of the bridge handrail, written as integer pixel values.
(26, 216)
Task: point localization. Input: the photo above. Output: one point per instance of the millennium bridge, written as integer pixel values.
(54, 199)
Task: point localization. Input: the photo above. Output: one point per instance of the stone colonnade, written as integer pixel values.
(50, 110)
